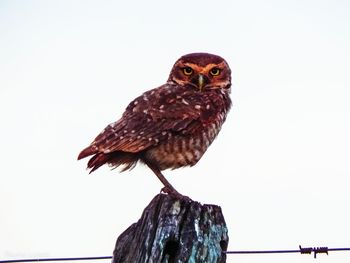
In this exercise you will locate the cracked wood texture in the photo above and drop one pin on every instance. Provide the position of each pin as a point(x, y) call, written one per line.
point(173, 229)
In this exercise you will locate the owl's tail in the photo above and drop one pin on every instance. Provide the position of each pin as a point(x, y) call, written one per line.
point(114, 159)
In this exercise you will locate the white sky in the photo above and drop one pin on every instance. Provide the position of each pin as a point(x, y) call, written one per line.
point(280, 168)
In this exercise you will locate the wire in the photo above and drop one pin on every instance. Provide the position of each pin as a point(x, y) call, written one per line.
point(53, 259)
point(301, 250)
point(306, 250)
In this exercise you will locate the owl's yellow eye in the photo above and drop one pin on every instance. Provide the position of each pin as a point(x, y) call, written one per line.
point(187, 71)
point(215, 71)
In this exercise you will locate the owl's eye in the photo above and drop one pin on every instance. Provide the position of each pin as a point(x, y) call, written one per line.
point(187, 71)
point(215, 72)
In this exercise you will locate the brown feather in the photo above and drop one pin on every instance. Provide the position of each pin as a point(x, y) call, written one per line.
point(114, 159)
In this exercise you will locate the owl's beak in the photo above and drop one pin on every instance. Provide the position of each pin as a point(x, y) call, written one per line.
point(200, 82)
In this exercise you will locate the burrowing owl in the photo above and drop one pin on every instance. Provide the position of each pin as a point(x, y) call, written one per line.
point(170, 126)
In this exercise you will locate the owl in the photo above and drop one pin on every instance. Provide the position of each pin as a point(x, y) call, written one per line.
point(170, 126)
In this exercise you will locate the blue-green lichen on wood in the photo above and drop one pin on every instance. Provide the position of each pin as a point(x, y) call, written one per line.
point(173, 229)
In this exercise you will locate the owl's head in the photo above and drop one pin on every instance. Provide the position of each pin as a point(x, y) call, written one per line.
point(202, 71)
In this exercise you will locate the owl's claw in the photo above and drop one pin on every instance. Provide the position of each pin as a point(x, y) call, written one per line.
point(173, 192)
point(169, 190)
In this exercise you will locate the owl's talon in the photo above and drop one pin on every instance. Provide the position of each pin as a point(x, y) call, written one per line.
point(165, 190)
point(169, 190)
point(172, 191)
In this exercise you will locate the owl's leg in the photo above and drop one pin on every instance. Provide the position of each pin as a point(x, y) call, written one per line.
point(168, 188)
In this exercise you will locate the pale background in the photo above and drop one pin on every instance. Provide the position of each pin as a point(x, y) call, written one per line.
point(280, 168)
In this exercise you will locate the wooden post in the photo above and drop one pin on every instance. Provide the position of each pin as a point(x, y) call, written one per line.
point(173, 229)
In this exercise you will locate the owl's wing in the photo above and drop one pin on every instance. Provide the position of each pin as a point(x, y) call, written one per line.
point(148, 120)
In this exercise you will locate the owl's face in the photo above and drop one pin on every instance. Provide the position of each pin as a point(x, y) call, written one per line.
point(202, 71)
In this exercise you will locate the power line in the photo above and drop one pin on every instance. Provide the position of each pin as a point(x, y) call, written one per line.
point(301, 250)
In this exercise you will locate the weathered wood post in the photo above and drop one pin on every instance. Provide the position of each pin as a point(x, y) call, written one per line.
point(173, 229)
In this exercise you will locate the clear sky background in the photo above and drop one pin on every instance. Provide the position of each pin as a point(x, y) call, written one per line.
point(280, 168)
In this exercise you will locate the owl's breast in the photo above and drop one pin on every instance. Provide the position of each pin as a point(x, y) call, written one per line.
point(191, 123)
point(183, 150)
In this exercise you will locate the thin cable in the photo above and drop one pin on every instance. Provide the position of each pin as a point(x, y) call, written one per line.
point(52, 259)
point(301, 250)
point(305, 250)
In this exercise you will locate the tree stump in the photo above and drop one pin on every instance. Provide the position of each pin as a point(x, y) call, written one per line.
point(173, 229)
